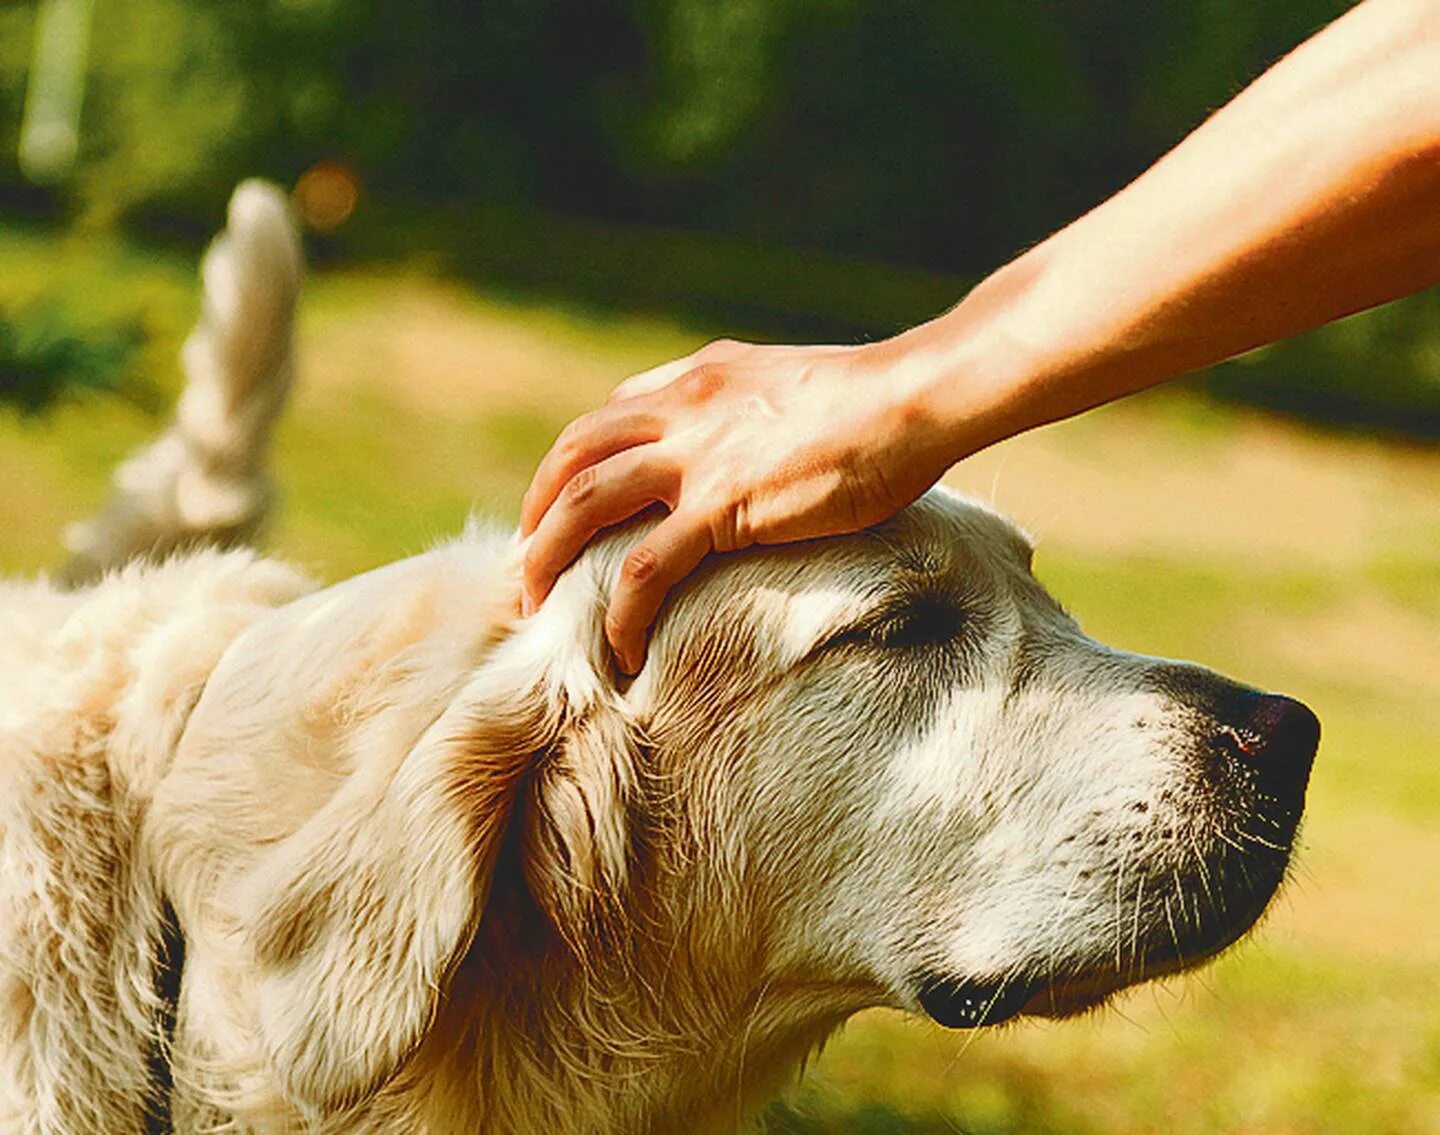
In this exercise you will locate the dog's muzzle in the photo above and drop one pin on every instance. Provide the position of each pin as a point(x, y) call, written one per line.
point(1254, 751)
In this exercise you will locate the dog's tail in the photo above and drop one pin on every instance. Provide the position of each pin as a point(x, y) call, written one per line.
point(203, 481)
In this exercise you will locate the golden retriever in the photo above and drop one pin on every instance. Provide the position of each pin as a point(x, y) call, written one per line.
point(384, 858)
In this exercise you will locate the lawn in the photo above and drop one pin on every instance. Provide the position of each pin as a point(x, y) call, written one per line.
point(1296, 560)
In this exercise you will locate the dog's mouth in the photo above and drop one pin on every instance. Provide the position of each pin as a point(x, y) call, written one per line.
point(1075, 996)
point(1185, 929)
point(969, 1003)
point(980, 1004)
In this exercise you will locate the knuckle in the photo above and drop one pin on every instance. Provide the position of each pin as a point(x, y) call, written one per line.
point(641, 565)
point(718, 347)
point(581, 487)
point(702, 382)
point(730, 525)
point(571, 441)
point(742, 523)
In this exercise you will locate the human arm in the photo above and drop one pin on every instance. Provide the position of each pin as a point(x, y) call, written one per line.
point(1315, 193)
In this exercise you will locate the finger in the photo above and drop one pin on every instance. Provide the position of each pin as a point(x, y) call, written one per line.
point(585, 441)
point(596, 497)
point(664, 557)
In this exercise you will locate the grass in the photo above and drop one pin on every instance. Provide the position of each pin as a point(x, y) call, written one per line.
point(1298, 561)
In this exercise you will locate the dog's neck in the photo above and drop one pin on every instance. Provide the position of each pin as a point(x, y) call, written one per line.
point(595, 1049)
point(628, 1078)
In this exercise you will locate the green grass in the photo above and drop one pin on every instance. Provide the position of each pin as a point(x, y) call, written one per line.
point(1270, 1042)
point(1327, 1021)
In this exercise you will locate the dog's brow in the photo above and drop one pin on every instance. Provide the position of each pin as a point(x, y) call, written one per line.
point(927, 565)
point(911, 567)
point(919, 596)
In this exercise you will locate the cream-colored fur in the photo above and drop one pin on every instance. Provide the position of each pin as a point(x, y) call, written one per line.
point(439, 870)
point(96, 691)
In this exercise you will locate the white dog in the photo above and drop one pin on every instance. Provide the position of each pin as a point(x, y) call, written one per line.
point(385, 858)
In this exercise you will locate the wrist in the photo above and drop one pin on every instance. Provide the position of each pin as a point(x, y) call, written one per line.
point(967, 378)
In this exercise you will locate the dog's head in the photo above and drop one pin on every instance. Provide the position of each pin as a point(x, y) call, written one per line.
point(887, 766)
point(927, 781)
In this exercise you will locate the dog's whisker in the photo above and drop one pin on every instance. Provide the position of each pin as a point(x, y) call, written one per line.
point(1174, 934)
point(1261, 841)
point(1120, 914)
point(1139, 901)
point(1204, 873)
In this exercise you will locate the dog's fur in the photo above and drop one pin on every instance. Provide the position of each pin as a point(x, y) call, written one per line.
point(437, 869)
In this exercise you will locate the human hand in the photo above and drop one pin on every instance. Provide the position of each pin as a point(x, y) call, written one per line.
point(744, 444)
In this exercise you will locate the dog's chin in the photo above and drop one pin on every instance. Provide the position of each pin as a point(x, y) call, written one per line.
point(962, 1004)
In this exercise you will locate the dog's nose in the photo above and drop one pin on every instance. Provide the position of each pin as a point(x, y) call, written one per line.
point(1277, 737)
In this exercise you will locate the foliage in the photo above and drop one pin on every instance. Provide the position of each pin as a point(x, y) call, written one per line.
point(41, 359)
point(935, 133)
point(747, 160)
point(84, 316)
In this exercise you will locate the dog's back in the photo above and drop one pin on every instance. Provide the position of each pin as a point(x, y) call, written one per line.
point(97, 686)
point(91, 714)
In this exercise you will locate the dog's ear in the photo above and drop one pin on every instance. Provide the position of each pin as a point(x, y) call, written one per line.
point(356, 920)
point(577, 841)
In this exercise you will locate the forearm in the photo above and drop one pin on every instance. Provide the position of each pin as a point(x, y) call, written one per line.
point(1314, 194)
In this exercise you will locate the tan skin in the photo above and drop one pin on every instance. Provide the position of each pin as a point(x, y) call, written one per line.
point(1315, 193)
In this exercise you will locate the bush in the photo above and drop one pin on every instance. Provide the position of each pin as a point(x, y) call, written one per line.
point(43, 359)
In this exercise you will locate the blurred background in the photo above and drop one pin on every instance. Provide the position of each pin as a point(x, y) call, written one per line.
point(512, 204)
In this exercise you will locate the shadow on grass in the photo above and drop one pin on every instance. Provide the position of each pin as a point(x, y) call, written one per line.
point(872, 1120)
point(877, 1119)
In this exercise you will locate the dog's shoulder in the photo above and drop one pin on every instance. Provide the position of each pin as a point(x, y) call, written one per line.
point(114, 659)
point(98, 685)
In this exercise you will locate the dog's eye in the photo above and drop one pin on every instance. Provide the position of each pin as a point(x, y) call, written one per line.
point(919, 621)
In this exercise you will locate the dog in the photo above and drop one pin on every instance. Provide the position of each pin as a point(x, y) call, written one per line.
point(385, 857)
